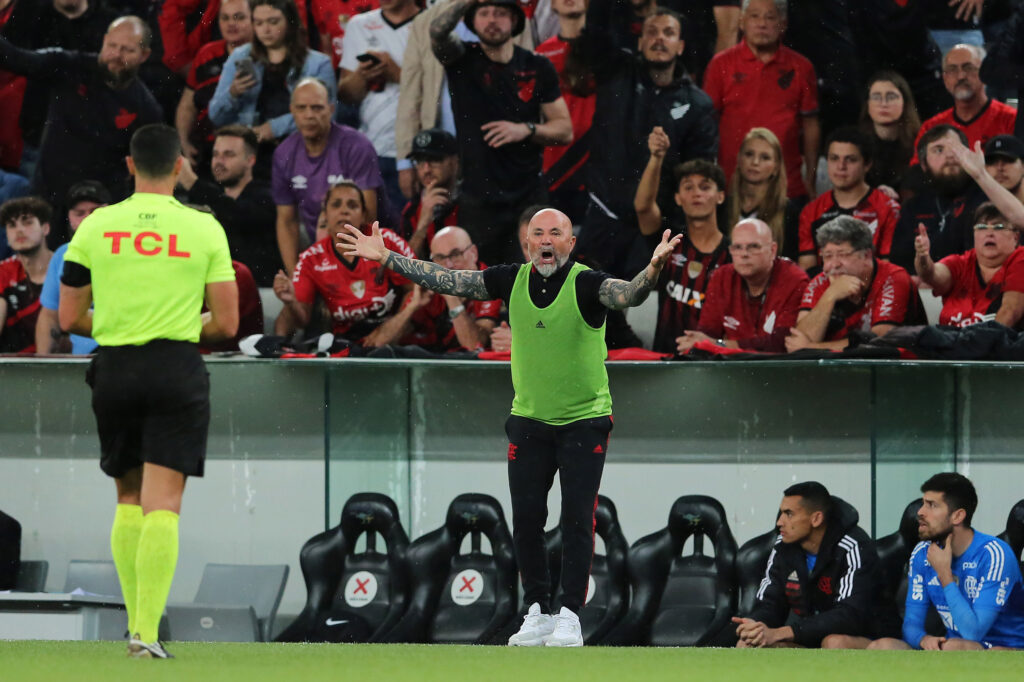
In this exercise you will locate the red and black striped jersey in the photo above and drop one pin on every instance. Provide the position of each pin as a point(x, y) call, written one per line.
point(681, 289)
point(22, 297)
point(202, 79)
point(876, 208)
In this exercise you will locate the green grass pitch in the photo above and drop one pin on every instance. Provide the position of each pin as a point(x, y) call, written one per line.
point(105, 662)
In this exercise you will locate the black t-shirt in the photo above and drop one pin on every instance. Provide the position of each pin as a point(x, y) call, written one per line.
point(483, 91)
point(890, 165)
point(499, 280)
point(274, 99)
point(89, 123)
point(249, 224)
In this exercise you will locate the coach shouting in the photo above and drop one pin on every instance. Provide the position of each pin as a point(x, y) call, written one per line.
point(562, 411)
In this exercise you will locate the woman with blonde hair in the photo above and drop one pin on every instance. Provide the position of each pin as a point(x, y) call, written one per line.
point(758, 190)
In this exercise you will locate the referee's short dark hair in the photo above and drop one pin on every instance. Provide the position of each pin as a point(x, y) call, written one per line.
point(12, 209)
point(245, 133)
point(957, 492)
point(154, 150)
point(814, 496)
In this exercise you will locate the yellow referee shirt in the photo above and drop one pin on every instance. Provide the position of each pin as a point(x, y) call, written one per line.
point(150, 259)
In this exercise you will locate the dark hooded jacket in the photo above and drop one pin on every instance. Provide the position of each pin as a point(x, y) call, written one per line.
point(837, 597)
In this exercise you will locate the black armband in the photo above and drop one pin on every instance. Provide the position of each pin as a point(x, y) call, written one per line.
point(75, 274)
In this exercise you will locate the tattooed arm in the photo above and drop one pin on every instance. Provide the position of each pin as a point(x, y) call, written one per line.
point(464, 283)
point(446, 45)
point(618, 294)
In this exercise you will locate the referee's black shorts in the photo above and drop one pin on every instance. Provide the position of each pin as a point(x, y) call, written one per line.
point(152, 404)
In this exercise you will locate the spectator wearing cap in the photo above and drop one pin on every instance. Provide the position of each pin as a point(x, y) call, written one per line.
point(987, 282)
point(974, 112)
point(243, 205)
point(424, 100)
point(1003, 161)
point(371, 68)
point(507, 106)
point(435, 156)
point(83, 198)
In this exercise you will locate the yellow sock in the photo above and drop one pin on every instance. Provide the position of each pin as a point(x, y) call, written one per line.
point(124, 545)
point(154, 567)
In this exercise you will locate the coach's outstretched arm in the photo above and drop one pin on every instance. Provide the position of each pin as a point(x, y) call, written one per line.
point(618, 293)
point(465, 283)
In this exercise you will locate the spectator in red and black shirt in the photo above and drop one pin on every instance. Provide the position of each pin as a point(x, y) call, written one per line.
point(752, 302)
point(687, 273)
point(96, 103)
point(192, 118)
point(27, 221)
point(360, 295)
point(855, 291)
point(450, 323)
point(973, 111)
point(760, 82)
point(565, 167)
point(849, 156)
point(436, 157)
point(987, 282)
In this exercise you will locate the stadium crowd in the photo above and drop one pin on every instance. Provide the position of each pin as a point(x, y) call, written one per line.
point(826, 163)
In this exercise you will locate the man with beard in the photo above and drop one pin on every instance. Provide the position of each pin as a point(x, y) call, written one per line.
point(242, 205)
point(435, 156)
point(1003, 161)
point(972, 579)
point(27, 221)
point(973, 111)
point(96, 103)
point(562, 410)
point(944, 204)
point(507, 107)
point(854, 293)
point(635, 95)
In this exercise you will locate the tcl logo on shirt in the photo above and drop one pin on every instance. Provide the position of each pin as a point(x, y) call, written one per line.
point(146, 244)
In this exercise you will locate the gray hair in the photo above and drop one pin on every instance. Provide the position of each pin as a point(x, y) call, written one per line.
point(781, 6)
point(976, 51)
point(311, 80)
point(844, 229)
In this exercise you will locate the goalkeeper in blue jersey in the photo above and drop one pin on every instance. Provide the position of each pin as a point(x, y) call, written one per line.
point(973, 579)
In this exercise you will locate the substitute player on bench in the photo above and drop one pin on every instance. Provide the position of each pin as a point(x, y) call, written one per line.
point(149, 263)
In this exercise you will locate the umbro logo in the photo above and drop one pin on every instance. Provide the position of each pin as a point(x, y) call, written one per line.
point(540, 324)
point(299, 182)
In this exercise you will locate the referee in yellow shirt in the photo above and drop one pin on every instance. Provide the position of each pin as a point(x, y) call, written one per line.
point(148, 263)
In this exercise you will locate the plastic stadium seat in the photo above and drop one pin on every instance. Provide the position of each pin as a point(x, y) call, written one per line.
point(461, 598)
point(32, 576)
point(93, 577)
point(682, 600)
point(354, 596)
point(608, 594)
point(234, 603)
point(751, 562)
point(1014, 533)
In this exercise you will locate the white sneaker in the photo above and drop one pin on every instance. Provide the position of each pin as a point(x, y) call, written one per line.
point(567, 630)
point(536, 627)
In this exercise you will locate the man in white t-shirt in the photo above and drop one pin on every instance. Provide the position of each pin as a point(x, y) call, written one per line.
point(371, 67)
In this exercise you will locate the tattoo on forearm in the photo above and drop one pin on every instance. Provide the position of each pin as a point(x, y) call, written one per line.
point(447, 47)
point(618, 294)
point(466, 283)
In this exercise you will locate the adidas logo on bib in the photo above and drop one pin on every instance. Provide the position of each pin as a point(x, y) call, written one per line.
point(540, 324)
